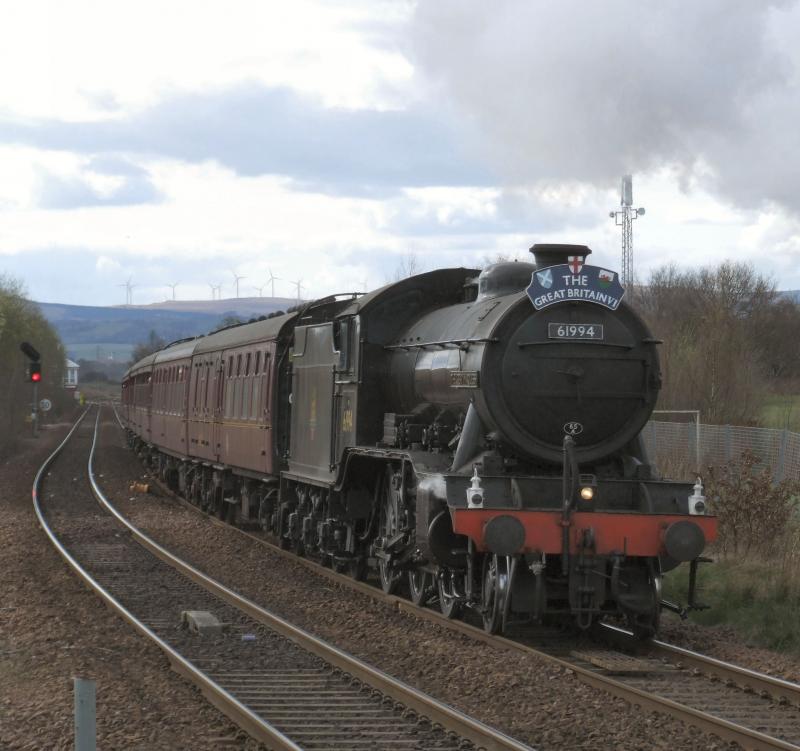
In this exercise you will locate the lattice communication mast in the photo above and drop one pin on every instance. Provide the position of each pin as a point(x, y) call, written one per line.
point(624, 217)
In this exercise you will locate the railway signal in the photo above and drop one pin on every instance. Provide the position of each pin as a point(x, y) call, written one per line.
point(34, 377)
point(27, 349)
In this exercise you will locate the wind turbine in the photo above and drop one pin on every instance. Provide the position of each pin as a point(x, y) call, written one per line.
point(128, 291)
point(237, 278)
point(272, 279)
point(215, 288)
point(260, 291)
point(299, 285)
point(173, 288)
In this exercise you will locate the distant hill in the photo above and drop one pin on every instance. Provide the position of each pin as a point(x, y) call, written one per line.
point(100, 333)
point(244, 307)
point(794, 294)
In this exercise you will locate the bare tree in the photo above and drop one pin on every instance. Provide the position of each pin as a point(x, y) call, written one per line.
point(408, 265)
point(715, 355)
point(153, 343)
point(491, 258)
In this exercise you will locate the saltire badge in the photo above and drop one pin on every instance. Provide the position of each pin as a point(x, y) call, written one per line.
point(575, 264)
point(545, 278)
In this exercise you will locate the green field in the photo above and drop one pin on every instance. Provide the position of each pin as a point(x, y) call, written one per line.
point(782, 412)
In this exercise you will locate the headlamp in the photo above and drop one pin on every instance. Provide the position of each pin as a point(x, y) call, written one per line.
point(587, 487)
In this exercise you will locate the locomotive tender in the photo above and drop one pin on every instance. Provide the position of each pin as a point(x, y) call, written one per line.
point(474, 437)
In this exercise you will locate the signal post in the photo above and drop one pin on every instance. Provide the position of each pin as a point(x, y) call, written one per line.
point(34, 376)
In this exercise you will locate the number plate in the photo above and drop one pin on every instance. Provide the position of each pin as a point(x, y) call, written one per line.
point(575, 331)
point(464, 379)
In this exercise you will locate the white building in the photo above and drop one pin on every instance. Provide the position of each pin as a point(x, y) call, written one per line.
point(71, 377)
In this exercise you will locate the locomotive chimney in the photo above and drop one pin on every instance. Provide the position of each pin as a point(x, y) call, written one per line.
point(552, 254)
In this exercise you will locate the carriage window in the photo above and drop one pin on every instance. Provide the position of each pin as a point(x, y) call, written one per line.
point(238, 365)
point(247, 365)
point(258, 362)
point(230, 366)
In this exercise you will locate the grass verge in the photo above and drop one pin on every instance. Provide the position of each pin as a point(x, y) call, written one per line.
point(760, 600)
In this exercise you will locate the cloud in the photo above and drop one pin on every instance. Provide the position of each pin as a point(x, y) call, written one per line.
point(528, 211)
point(114, 164)
point(129, 185)
point(106, 265)
point(589, 91)
point(257, 130)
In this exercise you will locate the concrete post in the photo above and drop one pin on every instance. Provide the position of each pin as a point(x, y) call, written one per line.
point(85, 714)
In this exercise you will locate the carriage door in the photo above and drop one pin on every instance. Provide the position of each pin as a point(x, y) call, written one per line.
point(217, 389)
point(314, 365)
point(346, 340)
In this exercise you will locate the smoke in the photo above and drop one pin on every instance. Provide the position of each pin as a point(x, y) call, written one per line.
point(435, 485)
point(575, 90)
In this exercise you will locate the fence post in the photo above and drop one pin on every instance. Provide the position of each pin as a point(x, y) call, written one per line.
point(85, 716)
point(780, 468)
point(697, 442)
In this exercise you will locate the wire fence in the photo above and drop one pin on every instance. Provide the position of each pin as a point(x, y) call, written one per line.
point(674, 446)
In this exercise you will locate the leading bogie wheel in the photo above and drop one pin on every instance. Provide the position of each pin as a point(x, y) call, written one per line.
point(450, 606)
point(495, 592)
point(419, 586)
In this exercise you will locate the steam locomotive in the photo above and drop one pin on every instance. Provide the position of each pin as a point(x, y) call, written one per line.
point(474, 438)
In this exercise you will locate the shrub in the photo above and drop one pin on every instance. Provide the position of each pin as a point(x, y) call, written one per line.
point(756, 516)
point(21, 320)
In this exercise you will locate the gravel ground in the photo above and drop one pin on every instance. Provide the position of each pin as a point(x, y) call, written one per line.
point(526, 697)
point(724, 643)
point(52, 628)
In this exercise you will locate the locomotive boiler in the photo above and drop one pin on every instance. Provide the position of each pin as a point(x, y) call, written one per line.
point(473, 438)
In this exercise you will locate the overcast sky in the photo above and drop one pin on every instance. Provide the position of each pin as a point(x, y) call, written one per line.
point(326, 141)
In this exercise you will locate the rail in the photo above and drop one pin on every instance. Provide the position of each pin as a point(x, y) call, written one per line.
point(751, 682)
point(437, 713)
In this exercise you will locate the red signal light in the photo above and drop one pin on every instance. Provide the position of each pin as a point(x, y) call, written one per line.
point(36, 377)
point(35, 372)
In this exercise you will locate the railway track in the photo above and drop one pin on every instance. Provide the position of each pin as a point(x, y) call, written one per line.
point(755, 710)
point(285, 687)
